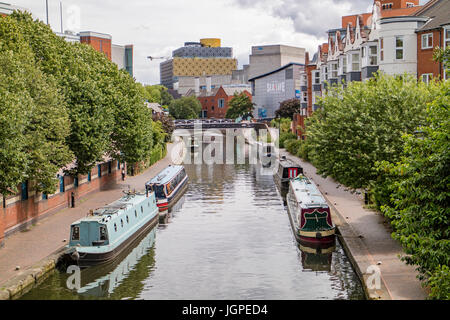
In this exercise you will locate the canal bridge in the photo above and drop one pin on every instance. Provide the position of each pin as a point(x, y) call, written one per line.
point(217, 124)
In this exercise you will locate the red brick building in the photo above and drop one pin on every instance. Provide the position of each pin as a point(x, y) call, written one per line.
point(27, 206)
point(435, 33)
point(99, 41)
point(215, 103)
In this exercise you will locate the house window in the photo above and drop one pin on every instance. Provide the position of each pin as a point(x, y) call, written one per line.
point(426, 77)
point(373, 56)
point(334, 70)
point(303, 81)
point(381, 49)
point(109, 167)
point(355, 62)
point(316, 77)
point(427, 41)
point(447, 37)
point(409, 4)
point(315, 97)
point(344, 64)
point(399, 48)
point(99, 169)
point(304, 97)
point(221, 103)
point(89, 176)
point(363, 52)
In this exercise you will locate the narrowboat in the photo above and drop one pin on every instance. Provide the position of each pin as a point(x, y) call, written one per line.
point(168, 186)
point(286, 171)
point(309, 213)
point(106, 232)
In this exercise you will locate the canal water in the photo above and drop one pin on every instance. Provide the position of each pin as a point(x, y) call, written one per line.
point(229, 237)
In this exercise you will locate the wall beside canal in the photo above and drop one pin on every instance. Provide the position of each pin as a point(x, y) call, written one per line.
point(28, 206)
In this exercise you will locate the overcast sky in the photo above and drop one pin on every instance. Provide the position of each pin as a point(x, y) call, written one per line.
point(156, 27)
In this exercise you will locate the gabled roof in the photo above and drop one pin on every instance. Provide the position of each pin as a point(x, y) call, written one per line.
point(438, 11)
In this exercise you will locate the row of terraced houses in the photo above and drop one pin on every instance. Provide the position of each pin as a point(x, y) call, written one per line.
point(397, 37)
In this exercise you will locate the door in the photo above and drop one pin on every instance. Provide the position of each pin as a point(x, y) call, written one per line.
point(293, 173)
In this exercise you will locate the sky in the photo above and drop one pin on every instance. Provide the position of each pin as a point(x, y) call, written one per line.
point(157, 27)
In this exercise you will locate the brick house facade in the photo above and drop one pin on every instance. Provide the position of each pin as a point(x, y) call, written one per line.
point(215, 103)
point(27, 206)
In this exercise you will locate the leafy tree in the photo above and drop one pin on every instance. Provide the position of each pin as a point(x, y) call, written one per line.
point(285, 124)
point(363, 124)
point(288, 108)
point(419, 194)
point(80, 73)
point(240, 106)
point(185, 108)
point(132, 137)
point(33, 116)
point(167, 124)
point(166, 97)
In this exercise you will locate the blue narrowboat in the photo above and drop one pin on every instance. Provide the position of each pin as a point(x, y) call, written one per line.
point(168, 186)
point(106, 232)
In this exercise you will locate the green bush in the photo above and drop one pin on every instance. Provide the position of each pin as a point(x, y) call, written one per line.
point(292, 146)
point(286, 136)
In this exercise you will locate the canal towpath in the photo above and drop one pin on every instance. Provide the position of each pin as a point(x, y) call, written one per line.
point(29, 254)
point(366, 236)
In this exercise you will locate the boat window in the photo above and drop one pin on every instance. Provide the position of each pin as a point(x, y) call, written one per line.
point(142, 209)
point(135, 213)
point(103, 234)
point(121, 223)
point(159, 191)
point(75, 233)
point(115, 227)
point(128, 221)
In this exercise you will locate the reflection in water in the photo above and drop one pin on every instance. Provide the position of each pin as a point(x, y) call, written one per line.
point(121, 279)
point(229, 237)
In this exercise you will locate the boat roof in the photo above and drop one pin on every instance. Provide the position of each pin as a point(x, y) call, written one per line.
point(117, 207)
point(289, 164)
point(307, 193)
point(165, 175)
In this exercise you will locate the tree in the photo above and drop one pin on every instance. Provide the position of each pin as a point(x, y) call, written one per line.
point(419, 197)
point(185, 108)
point(166, 97)
point(288, 108)
point(363, 124)
point(33, 116)
point(240, 106)
point(167, 124)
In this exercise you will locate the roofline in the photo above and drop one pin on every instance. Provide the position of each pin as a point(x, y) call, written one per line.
point(276, 70)
point(403, 19)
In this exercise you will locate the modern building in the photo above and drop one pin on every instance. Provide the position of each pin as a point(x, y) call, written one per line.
point(266, 58)
point(434, 33)
point(274, 87)
point(198, 59)
point(102, 42)
point(215, 102)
